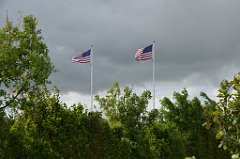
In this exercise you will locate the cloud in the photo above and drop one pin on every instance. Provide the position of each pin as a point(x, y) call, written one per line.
point(196, 41)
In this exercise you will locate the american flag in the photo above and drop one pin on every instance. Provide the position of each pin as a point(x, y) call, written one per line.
point(83, 58)
point(144, 53)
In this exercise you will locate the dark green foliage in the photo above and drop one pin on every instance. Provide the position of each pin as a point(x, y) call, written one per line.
point(189, 117)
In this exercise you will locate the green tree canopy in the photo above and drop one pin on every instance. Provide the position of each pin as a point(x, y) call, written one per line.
point(189, 116)
point(226, 115)
point(24, 63)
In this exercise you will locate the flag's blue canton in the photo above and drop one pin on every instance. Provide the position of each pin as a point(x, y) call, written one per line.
point(147, 49)
point(87, 53)
point(144, 53)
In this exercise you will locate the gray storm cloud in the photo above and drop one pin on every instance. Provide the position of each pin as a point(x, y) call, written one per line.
point(192, 37)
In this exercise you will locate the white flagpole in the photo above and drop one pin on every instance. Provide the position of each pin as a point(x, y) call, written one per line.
point(153, 58)
point(91, 78)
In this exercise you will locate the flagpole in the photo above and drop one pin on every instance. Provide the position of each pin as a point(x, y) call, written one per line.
point(153, 74)
point(92, 78)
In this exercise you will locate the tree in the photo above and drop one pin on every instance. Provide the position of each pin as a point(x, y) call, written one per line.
point(210, 132)
point(126, 115)
point(226, 115)
point(24, 63)
point(188, 116)
point(24, 71)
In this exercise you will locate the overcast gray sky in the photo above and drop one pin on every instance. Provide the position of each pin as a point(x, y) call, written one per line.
point(197, 42)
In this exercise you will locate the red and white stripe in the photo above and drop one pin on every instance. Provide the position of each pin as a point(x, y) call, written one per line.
point(81, 59)
point(142, 56)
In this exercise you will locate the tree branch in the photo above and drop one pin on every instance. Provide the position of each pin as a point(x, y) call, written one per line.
point(15, 97)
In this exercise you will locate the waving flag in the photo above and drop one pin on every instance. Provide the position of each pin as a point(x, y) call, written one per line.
point(144, 53)
point(83, 58)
